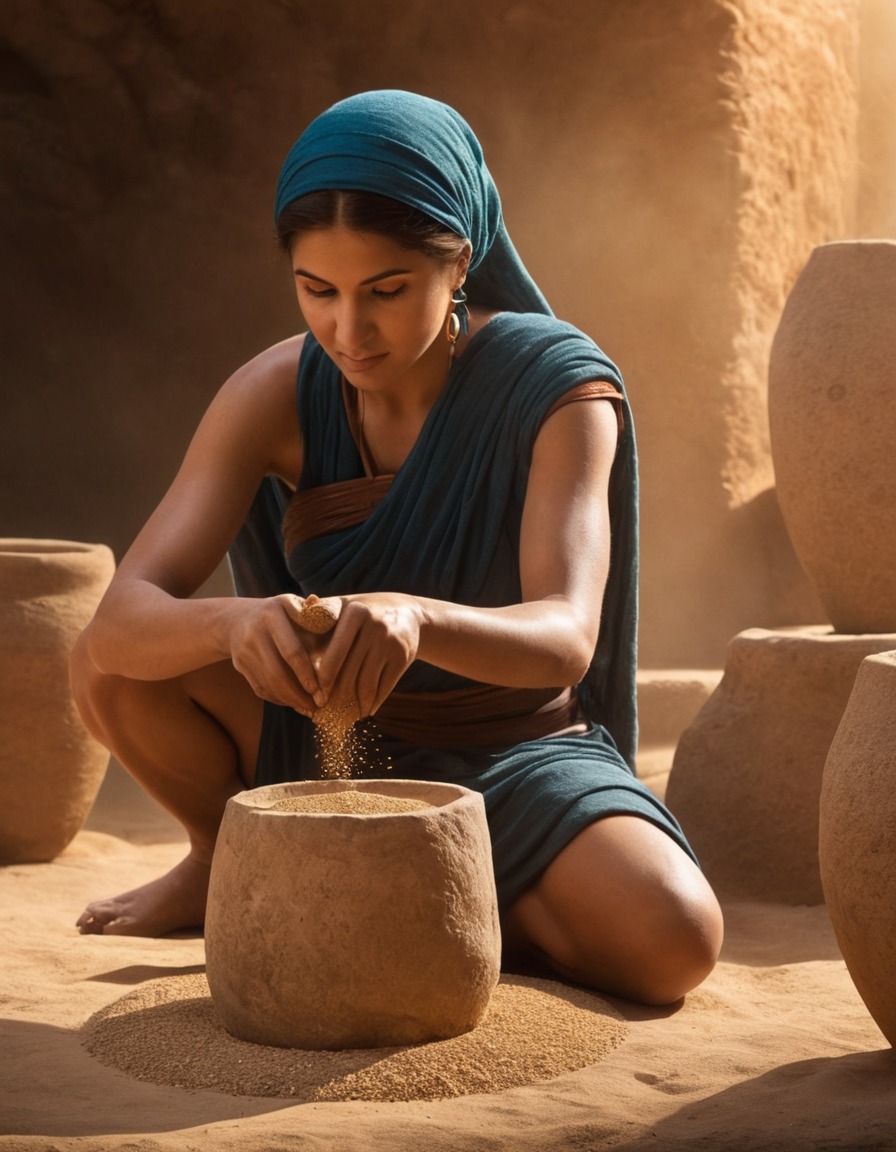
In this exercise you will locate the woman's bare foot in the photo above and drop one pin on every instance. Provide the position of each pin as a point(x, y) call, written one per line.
point(176, 900)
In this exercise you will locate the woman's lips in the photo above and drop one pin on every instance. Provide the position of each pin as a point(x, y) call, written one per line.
point(361, 365)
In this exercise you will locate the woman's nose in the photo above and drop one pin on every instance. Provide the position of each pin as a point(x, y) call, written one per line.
point(354, 327)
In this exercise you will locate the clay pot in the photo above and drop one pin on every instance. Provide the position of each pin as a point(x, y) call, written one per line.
point(336, 930)
point(857, 838)
point(832, 415)
point(51, 768)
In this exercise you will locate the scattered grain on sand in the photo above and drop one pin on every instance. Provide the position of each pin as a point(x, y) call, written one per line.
point(167, 1032)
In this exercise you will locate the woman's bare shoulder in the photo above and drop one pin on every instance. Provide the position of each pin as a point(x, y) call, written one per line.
point(276, 364)
point(254, 415)
point(263, 389)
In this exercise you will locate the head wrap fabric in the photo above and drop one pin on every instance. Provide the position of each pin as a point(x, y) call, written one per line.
point(424, 154)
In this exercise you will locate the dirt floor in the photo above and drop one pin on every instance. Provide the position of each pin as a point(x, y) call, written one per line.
point(776, 1051)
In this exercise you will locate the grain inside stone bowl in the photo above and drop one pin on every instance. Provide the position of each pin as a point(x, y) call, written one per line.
point(167, 1032)
point(349, 802)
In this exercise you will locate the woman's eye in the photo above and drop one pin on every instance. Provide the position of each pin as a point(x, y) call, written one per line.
point(327, 293)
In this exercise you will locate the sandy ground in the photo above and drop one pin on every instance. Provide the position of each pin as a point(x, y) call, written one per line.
point(774, 1051)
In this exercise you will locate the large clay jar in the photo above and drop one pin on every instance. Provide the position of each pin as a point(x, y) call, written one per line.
point(857, 838)
point(50, 767)
point(832, 414)
point(331, 929)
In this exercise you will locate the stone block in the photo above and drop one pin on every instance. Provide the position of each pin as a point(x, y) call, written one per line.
point(746, 777)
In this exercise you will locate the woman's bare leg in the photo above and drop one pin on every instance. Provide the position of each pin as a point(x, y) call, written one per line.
point(624, 910)
point(191, 743)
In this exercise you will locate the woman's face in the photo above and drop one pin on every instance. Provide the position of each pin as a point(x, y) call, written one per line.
point(377, 309)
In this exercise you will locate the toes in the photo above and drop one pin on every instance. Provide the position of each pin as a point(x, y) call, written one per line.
point(92, 922)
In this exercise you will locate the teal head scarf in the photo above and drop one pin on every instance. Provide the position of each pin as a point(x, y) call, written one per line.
point(422, 153)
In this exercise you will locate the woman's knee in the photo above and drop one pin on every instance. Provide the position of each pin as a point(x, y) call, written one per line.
point(625, 910)
point(105, 702)
point(662, 946)
point(211, 710)
point(678, 936)
point(90, 688)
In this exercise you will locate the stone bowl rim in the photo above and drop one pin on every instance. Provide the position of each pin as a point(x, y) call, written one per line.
point(27, 546)
point(258, 801)
point(866, 242)
point(883, 659)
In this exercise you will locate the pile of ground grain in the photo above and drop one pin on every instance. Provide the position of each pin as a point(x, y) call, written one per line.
point(167, 1032)
point(349, 801)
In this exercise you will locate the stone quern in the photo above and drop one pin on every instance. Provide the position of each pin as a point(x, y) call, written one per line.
point(342, 929)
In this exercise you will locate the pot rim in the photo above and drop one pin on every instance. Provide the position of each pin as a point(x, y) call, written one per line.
point(27, 546)
point(438, 795)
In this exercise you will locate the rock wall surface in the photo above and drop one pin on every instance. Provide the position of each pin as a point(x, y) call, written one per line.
point(666, 170)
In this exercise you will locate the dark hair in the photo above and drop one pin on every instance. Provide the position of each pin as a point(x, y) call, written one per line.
point(368, 212)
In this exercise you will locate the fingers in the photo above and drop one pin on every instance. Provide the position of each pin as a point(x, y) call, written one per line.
point(352, 685)
point(375, 684)
point(366, 655)
point(352, 650)
point(373, 676)
point(315, 618)
point(297, 652)
point(273, 659)
point(277, 682)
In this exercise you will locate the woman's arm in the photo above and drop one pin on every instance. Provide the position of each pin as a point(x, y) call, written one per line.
point(547, 640)
point(146, 626)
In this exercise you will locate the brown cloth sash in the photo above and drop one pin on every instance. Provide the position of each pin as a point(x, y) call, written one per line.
point(478, 717)
point(316, 512)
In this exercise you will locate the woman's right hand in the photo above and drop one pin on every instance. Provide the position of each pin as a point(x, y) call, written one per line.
point(275, 654)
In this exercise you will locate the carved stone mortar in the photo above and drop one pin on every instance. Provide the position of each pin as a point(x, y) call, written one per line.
point(337, 930)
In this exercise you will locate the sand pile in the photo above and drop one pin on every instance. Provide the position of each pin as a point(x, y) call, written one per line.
point(167, 1032)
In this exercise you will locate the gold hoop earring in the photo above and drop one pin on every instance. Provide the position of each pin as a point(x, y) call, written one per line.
point(458, 320)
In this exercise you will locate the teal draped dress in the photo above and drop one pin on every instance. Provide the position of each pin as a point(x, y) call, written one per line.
point(447, 526)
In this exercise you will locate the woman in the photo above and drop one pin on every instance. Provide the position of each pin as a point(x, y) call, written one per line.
point(454, 476)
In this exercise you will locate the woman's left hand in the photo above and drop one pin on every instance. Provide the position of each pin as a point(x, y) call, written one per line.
point(374, 642)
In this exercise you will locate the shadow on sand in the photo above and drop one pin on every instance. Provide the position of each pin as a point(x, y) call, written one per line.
point(840, 1102)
